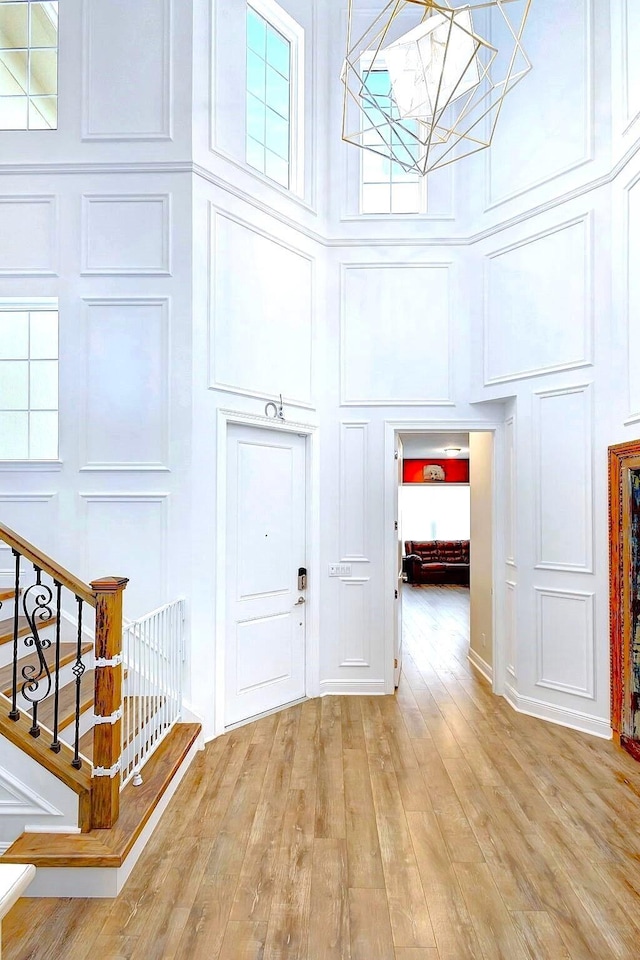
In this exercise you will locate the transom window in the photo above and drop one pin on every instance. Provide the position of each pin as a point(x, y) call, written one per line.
point(28, 65)
point(385, 186)
point(29, 380)
point(274, 94)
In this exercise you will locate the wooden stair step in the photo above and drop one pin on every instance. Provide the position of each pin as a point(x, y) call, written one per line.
point(86, 740)
point(109, 848)
point(6, 627)
point(67, 654)
point(67, 702)
point(8, 594)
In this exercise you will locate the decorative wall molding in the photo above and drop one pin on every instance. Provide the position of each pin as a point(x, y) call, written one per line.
point(217, 381)
point(511, 626)
point(348, 311)
point(8, 572)
point(589, 126)
point(563, 716)
point(28, 236)
point(511, 492)
point(630, 115)
point(163, 305)
point(352, 688)
point(90, 261)
point(583, 647)
point(631, 297)
point(354, 622)
point(17, 799)
point(586, 221)
point(575, 467)
point(354, 491)
point(90, 124)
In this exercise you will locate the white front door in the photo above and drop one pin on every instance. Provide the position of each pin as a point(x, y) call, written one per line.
point(266, 510)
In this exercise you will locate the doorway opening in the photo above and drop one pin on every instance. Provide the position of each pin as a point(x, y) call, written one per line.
point(445, 546)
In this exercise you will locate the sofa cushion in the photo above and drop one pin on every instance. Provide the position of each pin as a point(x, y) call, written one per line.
point(451, 551)
point(427, 549)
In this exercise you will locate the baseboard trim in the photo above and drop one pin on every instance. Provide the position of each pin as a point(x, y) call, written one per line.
point(352, 688)
point(563, 716)
point(480, 665)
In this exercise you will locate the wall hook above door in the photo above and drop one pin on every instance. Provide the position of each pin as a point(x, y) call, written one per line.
point(278, 413)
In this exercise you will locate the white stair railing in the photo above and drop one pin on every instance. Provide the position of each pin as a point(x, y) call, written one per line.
point(152, 652)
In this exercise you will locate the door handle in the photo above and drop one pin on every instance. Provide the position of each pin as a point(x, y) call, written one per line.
point(299, 601)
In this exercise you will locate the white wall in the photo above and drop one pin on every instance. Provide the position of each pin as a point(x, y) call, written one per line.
point(482, 485)
point(194, 303)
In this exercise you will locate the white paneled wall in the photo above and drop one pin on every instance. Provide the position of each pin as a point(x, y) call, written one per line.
point(28, 236)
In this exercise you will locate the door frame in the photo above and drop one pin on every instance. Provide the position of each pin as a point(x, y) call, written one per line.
point(225, 418)
point(392, 428)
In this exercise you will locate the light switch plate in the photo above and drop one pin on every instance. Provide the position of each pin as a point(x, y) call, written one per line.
point(339, 569)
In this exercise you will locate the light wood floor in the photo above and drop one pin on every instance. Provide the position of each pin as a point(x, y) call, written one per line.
point(434, 825)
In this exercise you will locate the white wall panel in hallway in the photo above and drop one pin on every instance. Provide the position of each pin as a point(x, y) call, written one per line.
point(563, 473)
point(28, 234)
point(126, 421)
point(126, 234)
point(550, 327)
point(261, 299)
point(354, 491)
point(392, 353)
point(632, 295)
point(265, 546)
point(566, 666)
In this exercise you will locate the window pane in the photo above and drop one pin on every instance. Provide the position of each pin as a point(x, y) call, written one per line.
point(255, 118)
point(14, 62)
point(14, 436)
point(276, 168)
point(14, 336)
point(375, 169)
point(256, 32)
point(43, 443)
point(277, 93)
point(9, 85)
point(13, 113)
point(43, 113)
point(376, 198)
point(43, 77)
point(255, 75)
point(405, 198)
point(278, 52)
point(13, 25)
point(277, 138)
point(255, 154)
point(44, 335)
point(44, 25)
point(14, 385)
point(44, 384)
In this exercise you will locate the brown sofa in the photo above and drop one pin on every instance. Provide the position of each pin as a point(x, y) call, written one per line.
point(437, 561)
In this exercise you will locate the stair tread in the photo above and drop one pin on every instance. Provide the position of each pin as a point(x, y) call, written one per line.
point(86, 740)
point(8, 594)
point(6, 627)
point(109, 848)
point(67, 654)
point(67, 702)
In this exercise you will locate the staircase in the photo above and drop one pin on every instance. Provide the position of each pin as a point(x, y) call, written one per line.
point(81, 715)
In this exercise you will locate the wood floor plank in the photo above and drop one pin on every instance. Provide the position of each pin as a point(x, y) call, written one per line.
point(498, 935)
point(244, 940)
point(408, 912)
point(329, 917)
point(363, 845)
point(369, 941)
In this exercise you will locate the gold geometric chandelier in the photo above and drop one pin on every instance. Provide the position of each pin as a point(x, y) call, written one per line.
point(422, 87)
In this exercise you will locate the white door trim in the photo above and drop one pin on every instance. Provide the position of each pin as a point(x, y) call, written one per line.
point(391, 429)
point(312, 660)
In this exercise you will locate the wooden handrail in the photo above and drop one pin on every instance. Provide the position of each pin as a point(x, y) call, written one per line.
point(49, 566)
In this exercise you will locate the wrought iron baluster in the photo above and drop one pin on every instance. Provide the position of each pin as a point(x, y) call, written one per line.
point(14, 713)
point(78, 669)
point(37, 677)
point(55, 743)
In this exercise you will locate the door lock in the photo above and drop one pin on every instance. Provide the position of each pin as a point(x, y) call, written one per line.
point(302, 578)
point(299, 601)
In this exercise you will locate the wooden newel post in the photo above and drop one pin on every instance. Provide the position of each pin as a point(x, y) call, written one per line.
point(107, 736)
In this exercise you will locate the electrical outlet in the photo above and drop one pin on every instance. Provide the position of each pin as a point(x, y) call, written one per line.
point(339, 569)
point(483, 639)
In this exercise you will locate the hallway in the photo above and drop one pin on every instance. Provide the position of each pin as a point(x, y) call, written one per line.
point(436, 825)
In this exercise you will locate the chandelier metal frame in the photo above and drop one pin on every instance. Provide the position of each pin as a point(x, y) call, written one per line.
point(459, 126)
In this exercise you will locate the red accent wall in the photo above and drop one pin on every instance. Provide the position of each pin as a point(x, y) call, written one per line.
point(455, 471)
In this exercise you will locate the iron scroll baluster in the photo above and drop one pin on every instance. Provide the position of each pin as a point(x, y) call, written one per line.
point(37, 677)
point(55, 743)
point(78, 669)
point(14, 713)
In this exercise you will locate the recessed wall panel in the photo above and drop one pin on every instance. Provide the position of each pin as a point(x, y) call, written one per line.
point(33, 516)
point(633, 295)
point(525, 153)
point(126, 235)
point(354, 485)
point(261, 293)
point(395, 334)
point(510, 627)
point(125, 536)
point(510, 492)
point(355, 622)
point(127, 70)
point(538, 306)
point(127, 383)
point(27, 236)
point(563, 479)
point(631, 60)
point(565, 641)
